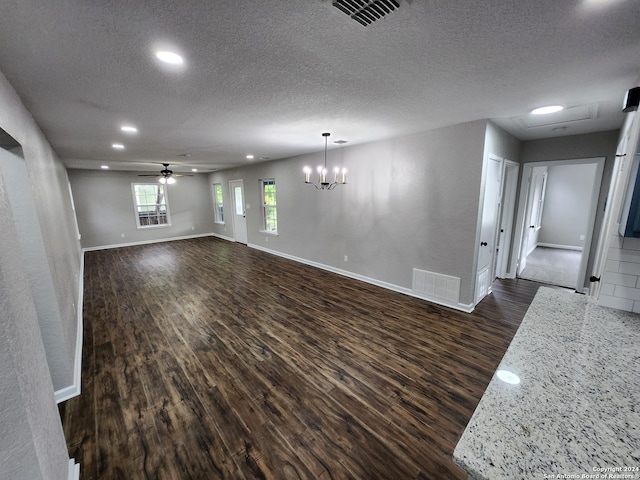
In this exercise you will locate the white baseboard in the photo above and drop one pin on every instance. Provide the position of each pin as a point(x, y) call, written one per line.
point(563, 247)
point(74, 389)
point(146, 242)
point(74, 470)
point(372, 281)
point(223, 237)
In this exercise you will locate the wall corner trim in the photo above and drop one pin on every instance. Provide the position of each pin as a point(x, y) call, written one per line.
point(74, 389)
point(362, 278)
point(74, 470)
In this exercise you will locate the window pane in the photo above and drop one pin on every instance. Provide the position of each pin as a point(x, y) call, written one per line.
point(269, 211)
point(238, 195)
point(271, 219)
point(218, 203)
point(151, 207)
point(269, 187)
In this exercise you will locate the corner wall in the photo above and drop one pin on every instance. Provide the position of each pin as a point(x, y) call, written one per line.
point(410, 202)
point(106, 215)
point(32, 446)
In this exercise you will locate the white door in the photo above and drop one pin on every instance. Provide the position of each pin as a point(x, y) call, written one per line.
point(620, 178)
point(507, 210)
point(490, 209)
point(536, 178)
point(236, 187)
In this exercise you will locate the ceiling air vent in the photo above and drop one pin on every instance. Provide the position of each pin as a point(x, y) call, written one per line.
point(366, 12)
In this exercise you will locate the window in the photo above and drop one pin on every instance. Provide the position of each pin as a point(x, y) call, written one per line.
point(218, 203)
point(269, 209)
point(152, 209)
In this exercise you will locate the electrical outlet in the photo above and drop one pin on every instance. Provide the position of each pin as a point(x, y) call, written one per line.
point(266, 239)
point(346, 258)
point(193, 228)
point(581, 237)
point(122, 235)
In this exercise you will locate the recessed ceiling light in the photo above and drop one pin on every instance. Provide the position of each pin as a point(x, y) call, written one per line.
point(169, 57)
point(129, 129)
point(546, 110)
point(104, 167)
point(250, 157)
point(194, 169)
point(118, 146)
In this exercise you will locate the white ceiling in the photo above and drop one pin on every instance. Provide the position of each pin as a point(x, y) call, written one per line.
point(267, 77)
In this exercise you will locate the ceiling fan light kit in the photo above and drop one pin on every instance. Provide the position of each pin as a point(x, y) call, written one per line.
point(323, 184)
point(167, 176)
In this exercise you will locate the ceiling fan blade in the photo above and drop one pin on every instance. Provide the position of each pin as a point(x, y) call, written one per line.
point(149, 175)
point(182, 175)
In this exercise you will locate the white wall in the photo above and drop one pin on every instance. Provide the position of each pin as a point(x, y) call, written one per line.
point(105, 208)
point(411, 202)
point(566, 206)
point(32, 444)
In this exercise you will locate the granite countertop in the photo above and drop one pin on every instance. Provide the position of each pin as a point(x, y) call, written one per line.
point(576, 411)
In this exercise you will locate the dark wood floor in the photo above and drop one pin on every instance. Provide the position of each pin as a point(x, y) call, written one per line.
point(206, 359)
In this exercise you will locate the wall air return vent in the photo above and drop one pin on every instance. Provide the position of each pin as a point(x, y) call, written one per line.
point(366, 12)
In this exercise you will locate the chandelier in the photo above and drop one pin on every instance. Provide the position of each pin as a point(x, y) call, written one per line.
point(323, 183)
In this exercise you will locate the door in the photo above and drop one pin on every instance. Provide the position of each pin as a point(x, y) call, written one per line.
point(535, 178)
point(629, 142)
point(490, 210)
point(236, 187)
point(507, 211)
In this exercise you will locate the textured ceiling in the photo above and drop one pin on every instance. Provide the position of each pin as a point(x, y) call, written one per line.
point(267, 77)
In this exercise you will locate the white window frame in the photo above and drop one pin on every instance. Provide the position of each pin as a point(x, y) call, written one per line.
point(218, 208)
point(265, 206)
point(135, 206)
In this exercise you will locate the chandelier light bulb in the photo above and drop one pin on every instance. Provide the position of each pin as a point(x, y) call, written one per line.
point(171, 180)
point(323, 183)
point(163, 180)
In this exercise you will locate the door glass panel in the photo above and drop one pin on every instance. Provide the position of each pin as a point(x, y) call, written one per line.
point(238, 194)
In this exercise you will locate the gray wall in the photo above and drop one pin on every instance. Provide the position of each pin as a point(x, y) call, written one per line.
point(566, 206)
point(104, 207)
point(411, 202)
point(32, 250)
point(500, 143)
point(601, 144)
point(32, 444)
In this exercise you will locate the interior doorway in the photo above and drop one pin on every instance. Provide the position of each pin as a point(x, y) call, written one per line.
point(556, 217)
point(236, 187)
point(498, 207)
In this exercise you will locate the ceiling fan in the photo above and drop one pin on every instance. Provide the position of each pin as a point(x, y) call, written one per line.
point(167, 176)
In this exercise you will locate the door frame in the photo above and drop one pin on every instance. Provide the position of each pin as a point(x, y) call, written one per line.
point(620, 178)
point(527, 168)
point(236, 227)
point(481, 278)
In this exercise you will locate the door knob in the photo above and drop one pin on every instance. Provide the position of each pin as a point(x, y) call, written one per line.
point(532, 226)
point(483, 244)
